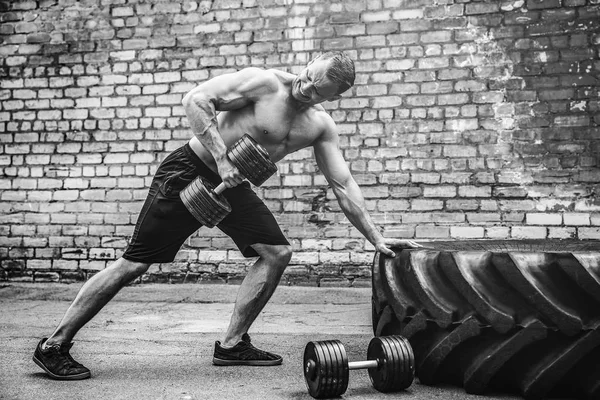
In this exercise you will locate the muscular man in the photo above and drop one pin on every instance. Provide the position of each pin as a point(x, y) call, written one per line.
point(283, 113)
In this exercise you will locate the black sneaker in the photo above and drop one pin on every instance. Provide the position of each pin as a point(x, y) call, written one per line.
point(58, 363)
point(244, 353)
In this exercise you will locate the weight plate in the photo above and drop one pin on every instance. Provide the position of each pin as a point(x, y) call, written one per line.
point(344, 377)
point(411, 370)
point(332, 371)
point(326, 369)
point(258, 158)
point(403, 367)
point(252, 160)
point(340, 370)
point(207, 208)
point(331, 381)
point(201, 201)
point(250, 165)
point(243, 161)
point(396, 363)
point(237, 158)
point(315, 369)
point(380, 376)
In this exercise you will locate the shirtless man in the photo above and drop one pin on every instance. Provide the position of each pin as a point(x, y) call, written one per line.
point(283, 113)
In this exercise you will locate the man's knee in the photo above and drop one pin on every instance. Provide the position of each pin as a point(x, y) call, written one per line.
point(284, 254)
point(131, 269)
point(279, 255)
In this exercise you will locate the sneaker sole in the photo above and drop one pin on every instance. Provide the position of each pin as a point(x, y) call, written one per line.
point(255, 363)
point(76, 377)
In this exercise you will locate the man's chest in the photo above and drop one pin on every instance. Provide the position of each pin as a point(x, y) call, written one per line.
point(281, 122)
point(274, 125)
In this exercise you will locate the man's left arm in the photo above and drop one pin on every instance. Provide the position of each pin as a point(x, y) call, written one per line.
point(331, 162)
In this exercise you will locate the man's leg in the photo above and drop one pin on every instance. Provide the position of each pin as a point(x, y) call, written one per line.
point(52, 355)
point(256, 289)
point(94, 295)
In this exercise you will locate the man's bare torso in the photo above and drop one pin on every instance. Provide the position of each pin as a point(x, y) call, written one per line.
point(274, 120)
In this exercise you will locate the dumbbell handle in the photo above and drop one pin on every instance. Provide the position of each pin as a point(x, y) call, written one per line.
point(219, 189)
point(311, 366)
point(363, 364)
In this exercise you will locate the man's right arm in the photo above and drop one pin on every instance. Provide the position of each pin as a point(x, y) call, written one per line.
point(224, 93)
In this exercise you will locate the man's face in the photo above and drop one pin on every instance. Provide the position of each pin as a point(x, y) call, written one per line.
point(312, 86)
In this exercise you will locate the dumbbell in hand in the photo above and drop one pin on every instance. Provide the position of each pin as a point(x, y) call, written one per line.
point(205, 202)
point(390, 362)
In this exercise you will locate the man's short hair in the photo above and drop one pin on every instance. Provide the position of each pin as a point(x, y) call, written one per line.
point(341, 69)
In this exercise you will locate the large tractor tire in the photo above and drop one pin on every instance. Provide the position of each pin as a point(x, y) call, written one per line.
point(510, 316)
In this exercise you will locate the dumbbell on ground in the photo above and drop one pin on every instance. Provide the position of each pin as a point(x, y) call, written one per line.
point(390, 362)
point(205, 202)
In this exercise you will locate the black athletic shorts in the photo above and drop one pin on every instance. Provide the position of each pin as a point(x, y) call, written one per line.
point(164, 223)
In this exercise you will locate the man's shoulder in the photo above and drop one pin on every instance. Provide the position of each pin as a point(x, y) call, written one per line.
point(322, 116)
point(322, 123)
point(263, 77)
point(279, 74)
point(257, 78)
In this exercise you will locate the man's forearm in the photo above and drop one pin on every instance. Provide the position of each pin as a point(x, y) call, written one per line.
point(202, 116)
point(353, 205)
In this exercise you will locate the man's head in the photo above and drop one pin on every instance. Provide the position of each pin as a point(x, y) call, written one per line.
point(324, 79)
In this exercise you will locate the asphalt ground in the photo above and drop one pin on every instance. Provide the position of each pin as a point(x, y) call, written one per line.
point(156, 342)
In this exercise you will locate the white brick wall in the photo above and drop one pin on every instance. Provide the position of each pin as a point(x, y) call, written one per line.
point(455, 128)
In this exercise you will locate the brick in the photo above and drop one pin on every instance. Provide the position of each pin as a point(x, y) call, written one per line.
point(474, 191)
point(164, 77)
point(436, 87)
point(483, 218)
point(470, 86)
point(481, 8)
point(529, 232)
point(543, 219)
point(387, 102)
point(426, 205)
point(434, 232)
point(466, 232)
point(439, 191)
point(434, 63)
point(562, 233)
point(122, 11)
point(488, 97)
point(556, 94)
point(462, 125)
point(497, 232)
point(436, 37)
point(415, 25)
point(588, 233)
point(576, 219)
point(452, 99)
point(403, 39)
point(370, 41)
point(541, 4)
point(375, 16)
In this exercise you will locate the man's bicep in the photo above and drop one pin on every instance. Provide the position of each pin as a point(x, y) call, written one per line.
point(332, 164)
point(233, 91)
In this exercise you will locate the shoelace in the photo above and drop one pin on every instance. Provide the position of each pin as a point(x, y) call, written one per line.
point(63, 350)
point(260, 354)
